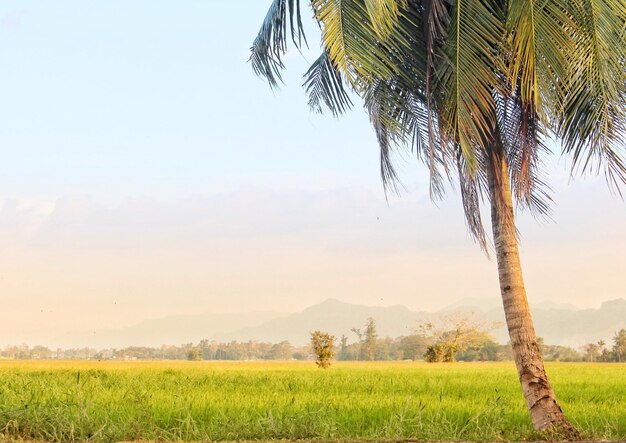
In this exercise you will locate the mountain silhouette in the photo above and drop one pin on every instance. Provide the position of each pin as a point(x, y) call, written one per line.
point(557, 324)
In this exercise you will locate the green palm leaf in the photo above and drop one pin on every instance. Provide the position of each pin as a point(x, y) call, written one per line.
point(468, 76)
point(541, 37)
point(271, 41)
point(592, 120)
point(350, 37)
point(383, 15)
point(324, 86)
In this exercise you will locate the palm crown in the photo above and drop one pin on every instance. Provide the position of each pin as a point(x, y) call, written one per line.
point(450, 78)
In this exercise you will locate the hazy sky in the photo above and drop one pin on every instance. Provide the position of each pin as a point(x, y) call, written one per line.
point(147, 171)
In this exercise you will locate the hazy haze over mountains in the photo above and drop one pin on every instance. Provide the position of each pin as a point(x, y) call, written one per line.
point(556, 323)
point(174, 329)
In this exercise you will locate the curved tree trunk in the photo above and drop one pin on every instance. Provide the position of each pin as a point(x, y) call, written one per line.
point(545, 412)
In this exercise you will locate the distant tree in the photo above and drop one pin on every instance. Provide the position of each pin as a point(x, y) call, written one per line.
point(413, 346)
point(323, 345)
point(489, 350)
point(359, 343)
point(385, 349)
point(440, 352)
point(592, 351)
point(605, 354)
point(343, 347)
point(453, 334)
point(205, 349)
point(194, 354)
point(561, 353)
point(367, 344)
point(282, 351)
point(619, 345)
point(40, 353)
point(370, 340)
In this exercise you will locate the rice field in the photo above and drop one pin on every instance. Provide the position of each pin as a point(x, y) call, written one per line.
point(209, 401)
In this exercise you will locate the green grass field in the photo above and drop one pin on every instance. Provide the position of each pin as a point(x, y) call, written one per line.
point(112, 401)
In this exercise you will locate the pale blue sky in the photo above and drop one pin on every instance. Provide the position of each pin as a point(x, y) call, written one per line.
point(145, 171)
point(156, 97)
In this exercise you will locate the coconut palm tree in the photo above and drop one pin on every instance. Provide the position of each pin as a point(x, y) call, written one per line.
point(476, 88)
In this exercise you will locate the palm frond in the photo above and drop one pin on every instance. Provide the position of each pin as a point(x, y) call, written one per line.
point(399, 118)
point(391, 114)
point(383, 14)
point(472, 185)
point(468, 75)
point(271, 42)
point(540, 33)
point(435, 19)
point(522, 139)
point(324, 86)
point(388, 172)
point(352, 42)
point(592, 120)
point(399, 103)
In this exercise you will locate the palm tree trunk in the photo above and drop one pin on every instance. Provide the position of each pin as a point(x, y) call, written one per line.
point(545, 412)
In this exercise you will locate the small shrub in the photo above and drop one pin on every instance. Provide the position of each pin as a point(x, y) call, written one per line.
point(323, 345)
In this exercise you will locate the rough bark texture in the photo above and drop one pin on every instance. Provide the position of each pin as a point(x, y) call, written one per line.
point(545, 412)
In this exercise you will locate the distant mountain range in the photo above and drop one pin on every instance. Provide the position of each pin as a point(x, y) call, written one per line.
point(557, 324)
point(174, 329)
point(565, 324)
